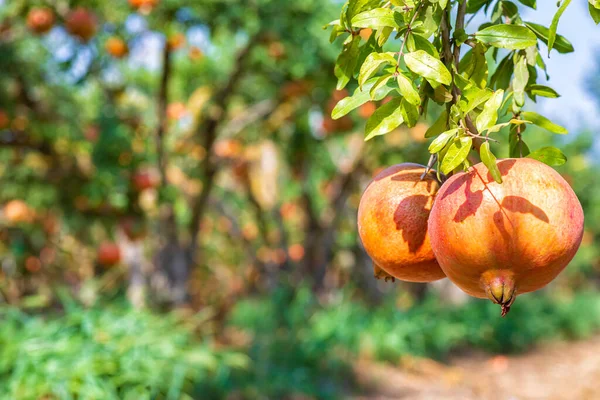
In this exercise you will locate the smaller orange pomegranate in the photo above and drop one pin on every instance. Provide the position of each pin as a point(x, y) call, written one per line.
point(228, 148)
point(176, 110)
point(296, 252)
point(40, 20)
point(33, 264)
point(81, 23)
point(109, 254)
point(367, 109)
point(499, 240)
point(392, 222)
point(116, 47)
point(145, 179)
point(145, 4)
point(365, 34)
point(17, 211)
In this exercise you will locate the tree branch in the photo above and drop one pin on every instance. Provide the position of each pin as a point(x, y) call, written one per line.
point(161, 109)
point(209, 136)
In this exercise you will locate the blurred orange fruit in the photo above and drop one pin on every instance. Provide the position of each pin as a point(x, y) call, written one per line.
point(116, 47)
point(40, 19)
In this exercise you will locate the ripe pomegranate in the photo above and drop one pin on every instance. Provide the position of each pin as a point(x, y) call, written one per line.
point(499, 240)
point(81, 23)
point(176, 110)
point(365, 33)
point(40, 20)
point(228, 148)
point(17, 211)
point(108, 254)
point(145, 179)
point(116, 47)
point(367, 109)
point(392, 222)
point(137, 4)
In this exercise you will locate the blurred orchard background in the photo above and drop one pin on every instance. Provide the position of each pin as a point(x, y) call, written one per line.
point(178, 217)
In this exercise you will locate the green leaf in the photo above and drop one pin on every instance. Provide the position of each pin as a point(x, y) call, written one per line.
point(418, 42)
point(520, 81)
point(529, 3)
point(346, 63)
point(456, 154)
point(561, 44)
point(381, 82)
point(410, 113)
point(514, 37)
point(501, 77)
point(408, 89)
point(440, 142)
point(541, 90)
point(473, 66)
point(475, 99)
point(357, 6)
point(595, 13)
point(428, 67)
point(554, 24)
point(385, 119)
point(488, 158)
point(438, 126)
point(372, 64)
point(516, 146)
point(489, 115)
point(360, 97)
point(549, 155)
point(543, 122)
point(475, 5)
point(375, 19)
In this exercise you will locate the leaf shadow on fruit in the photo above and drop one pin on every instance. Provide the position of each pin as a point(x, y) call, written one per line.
point(410, 217)
point(414, 177)
point(470, 206)
point(521, 205)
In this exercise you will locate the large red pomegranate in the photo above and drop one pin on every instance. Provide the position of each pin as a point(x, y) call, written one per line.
point(499, 240)
point(392, 223)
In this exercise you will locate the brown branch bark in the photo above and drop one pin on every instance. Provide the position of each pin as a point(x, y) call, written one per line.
point(209, 136)
point(161, 109)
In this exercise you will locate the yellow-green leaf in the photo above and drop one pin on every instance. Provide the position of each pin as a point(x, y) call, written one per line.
point(385, 119)
point(488, 158)
point(543, 122)
point(456, 154)
point(514, 37)
point(427, 66)
point(408, 90)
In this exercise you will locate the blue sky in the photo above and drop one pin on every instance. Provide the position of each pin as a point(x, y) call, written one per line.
point(568, 72)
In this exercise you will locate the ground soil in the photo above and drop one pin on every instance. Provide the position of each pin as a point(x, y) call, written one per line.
point(553, 371)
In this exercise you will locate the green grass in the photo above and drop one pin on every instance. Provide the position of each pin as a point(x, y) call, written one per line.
point(106, 352)
point(297, 346)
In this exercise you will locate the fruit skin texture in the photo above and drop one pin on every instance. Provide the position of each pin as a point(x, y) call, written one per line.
point(40, 20)
point(392, 222)
point(81, 23)
point(499, 240)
